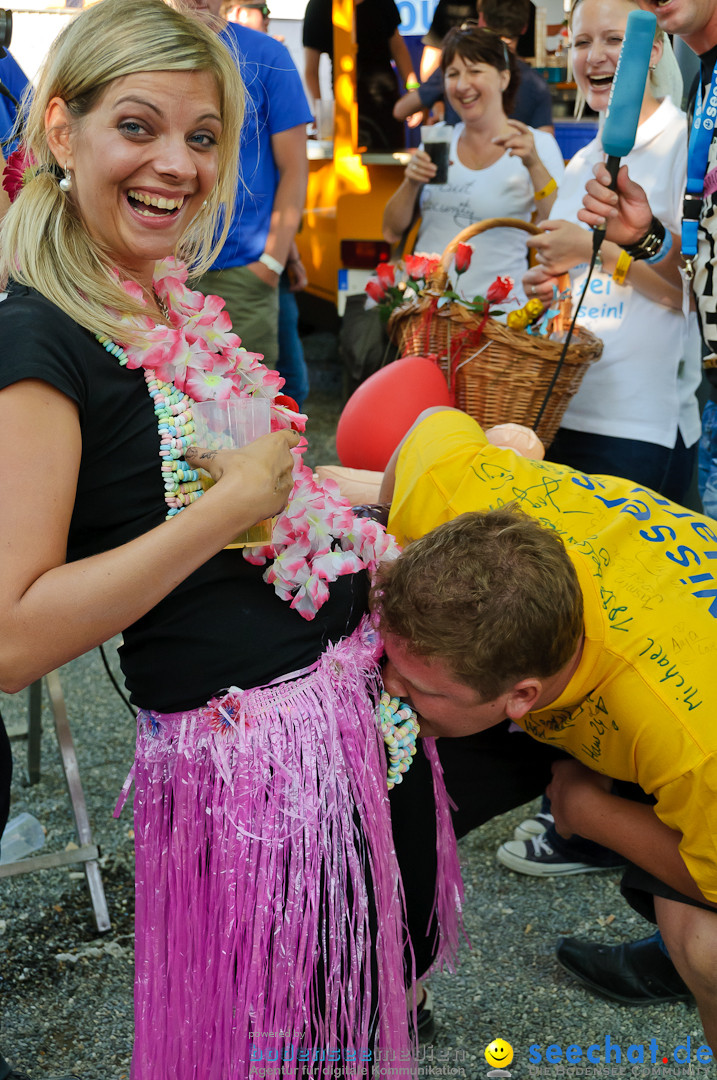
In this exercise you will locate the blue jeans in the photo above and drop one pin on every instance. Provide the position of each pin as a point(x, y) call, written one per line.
point(707, 460)
point(291, 363)
point(664, 470)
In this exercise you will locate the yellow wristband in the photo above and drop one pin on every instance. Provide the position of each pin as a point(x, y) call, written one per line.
point(624, 263)
point(549, 188)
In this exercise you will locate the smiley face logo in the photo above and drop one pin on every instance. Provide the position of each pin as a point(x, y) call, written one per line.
point(499, 1054)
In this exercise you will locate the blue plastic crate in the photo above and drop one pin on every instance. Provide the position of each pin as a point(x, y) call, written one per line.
point(572, 135)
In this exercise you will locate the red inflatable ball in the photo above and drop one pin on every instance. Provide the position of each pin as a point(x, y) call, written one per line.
point(382, 409)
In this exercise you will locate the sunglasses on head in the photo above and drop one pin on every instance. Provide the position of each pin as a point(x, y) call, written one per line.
point(469, 25)
point(258, 7)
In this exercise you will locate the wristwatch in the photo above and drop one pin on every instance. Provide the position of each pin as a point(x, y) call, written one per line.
point(650, 244)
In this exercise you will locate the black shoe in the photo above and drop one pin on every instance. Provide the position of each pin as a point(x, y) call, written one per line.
point(634, 973)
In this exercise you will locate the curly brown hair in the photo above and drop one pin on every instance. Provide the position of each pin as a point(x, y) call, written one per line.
point(492, 595)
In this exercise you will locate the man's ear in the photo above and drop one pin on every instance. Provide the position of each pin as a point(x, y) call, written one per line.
point(57, 129)
point(522, 698)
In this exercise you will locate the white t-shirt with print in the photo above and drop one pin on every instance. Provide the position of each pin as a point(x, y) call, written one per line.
point(503, 189)
point(643, 386)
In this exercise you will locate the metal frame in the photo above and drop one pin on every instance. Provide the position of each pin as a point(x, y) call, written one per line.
point(87, 853)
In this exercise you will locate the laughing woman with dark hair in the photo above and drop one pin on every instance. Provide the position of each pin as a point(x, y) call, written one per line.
point(498, 167)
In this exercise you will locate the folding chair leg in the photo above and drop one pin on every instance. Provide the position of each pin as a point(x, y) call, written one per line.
point(77, 798)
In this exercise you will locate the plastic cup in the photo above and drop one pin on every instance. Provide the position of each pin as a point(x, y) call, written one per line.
point(226, 425)
point(23, 835)
point(436, 139)
point(325, 119)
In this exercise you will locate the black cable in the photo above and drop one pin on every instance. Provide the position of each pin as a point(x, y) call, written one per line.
point(116, 685)
point(6, 93)
point(597, 240)
point(5, 143)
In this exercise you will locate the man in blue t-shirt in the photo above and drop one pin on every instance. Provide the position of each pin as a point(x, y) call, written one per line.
point(272, 188)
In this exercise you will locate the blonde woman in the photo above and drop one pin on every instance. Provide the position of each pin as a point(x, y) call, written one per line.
point(268, 917)
point(635, 414)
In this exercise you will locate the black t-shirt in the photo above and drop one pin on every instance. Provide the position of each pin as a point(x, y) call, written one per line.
point(533, 103)
point(448, 14)
point(376, 23)
point(223, 625)
point(376, 86)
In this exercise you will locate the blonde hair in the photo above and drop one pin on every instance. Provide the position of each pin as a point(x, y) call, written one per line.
point(44, 243)
point(660, 36)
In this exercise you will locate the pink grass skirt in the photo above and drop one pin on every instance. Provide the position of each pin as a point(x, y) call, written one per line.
point(269, 922)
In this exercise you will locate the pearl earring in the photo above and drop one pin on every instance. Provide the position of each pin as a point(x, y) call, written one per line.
point(66, 182)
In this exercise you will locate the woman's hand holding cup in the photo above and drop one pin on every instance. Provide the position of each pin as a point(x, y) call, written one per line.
point(237, 446)
point(420, 169)
point(262, 471)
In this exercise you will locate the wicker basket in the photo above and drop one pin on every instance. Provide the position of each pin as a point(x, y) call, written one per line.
point(499, 375)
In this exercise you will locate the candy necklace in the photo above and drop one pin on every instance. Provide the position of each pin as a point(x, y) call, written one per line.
point(400, 728)
point(182, 485)
point(197, 357)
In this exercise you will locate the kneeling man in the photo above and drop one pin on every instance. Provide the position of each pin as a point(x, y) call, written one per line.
point(584, 610)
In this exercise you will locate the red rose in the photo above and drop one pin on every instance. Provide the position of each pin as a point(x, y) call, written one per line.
point(432, 262)
point(420, 266)
point(464, 254)
point(386, 274)
point(376, 291)
point(415, 266)
point(500, 290)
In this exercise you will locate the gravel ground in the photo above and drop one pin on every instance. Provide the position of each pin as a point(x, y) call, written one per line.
point(66, 992)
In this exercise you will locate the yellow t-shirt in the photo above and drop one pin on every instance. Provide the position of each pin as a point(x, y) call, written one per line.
point(642, 705)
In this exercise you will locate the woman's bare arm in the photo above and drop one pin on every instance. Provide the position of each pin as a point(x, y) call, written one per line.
point(52, 611)
point(400, 209)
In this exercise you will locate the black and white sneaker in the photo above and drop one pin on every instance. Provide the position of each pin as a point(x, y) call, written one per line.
point(533, 826)
point(537, 858)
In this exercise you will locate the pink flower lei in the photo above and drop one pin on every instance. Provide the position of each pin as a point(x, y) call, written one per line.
point(316, 538)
